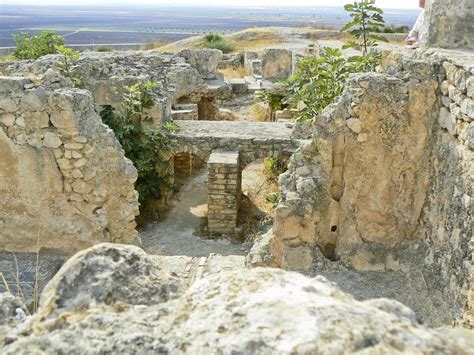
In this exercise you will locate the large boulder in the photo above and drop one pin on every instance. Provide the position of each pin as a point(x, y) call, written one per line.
point(113, 299)
point(105, 275)
point(205, 61)
point(449, 24)
point(277, 64)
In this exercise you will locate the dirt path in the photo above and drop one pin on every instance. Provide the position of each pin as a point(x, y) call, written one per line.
point(176, 234)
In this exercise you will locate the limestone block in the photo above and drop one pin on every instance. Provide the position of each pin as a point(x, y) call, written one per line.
point(10, 84)
point(470, 87)
point(204, 60)
point(277, 64)
point(355, 125)
point(7, 119)
point(51, 140)
point(34, 100)
point(467, 107)
point(470, 137)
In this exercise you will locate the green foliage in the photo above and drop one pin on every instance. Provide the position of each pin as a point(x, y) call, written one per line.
point(273, 98)
point(365, 17)
point(364, 63)
point(212, 37)
point(215, 41)
point(391, 29)
point(69, 56)
point(145, 147)
point(33, 47)
point(272, 198)
point(104, 49)
point(273, 168)
point(317, 82)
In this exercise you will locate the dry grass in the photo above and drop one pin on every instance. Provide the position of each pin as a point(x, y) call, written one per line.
point(250, 39)
point(37, 269)
point(233, 73)
point(5, 283)
point(254, 39)
point(19, 290)
point(259, 112)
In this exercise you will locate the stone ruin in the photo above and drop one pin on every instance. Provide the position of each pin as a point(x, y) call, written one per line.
point(380, 182)
point(386, 182)
point(58, 164)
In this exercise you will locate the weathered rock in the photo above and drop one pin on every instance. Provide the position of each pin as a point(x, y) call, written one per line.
point(40, 194)
point(277, 64)
point(259, 311)
point(12, 312)
point(205, 61)
point(449, 24)
point(51, 140)
point(104, 275)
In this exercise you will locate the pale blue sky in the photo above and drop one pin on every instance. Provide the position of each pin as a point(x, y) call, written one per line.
point(400, 4)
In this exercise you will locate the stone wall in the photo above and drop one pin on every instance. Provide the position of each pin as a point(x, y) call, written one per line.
point(63, 175)
point(386, 182)
point(106, 75)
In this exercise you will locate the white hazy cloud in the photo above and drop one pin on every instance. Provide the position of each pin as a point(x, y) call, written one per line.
point(398, 4)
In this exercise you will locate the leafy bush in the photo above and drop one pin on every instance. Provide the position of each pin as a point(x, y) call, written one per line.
point(69, 56)
point(215, 41)
point(273, 168)
point(273, 98)
point(211, 37)
point(392, 29)
point(272, 198)
point(143, 146)
point(365, 17)
point(317, 82)
point(104, 49)
point(33, 47)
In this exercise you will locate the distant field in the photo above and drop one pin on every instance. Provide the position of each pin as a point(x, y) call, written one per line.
point(125, 24)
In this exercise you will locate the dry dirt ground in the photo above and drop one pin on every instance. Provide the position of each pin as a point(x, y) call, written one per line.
point(257, 39)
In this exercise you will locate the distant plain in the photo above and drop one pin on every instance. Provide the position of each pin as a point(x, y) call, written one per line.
point(132, 26)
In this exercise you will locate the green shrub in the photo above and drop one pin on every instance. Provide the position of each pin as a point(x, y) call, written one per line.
point(215, 41)
point(145, 147)
point(69, 57)
point(33, 47)
point(273, 98)
point(319, 80)
point(104, 49)
point(272, 198)
point(211, 37)
point(273, 168)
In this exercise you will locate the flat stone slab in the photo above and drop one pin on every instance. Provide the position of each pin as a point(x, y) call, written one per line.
point(238, 130)
point(226, 158)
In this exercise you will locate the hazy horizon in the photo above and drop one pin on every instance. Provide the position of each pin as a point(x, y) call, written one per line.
point(389, 4)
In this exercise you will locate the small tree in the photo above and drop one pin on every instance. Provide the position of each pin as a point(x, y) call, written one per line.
point(318, 81)
point(33, 47)
point(69, 56)
point(365, 17)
